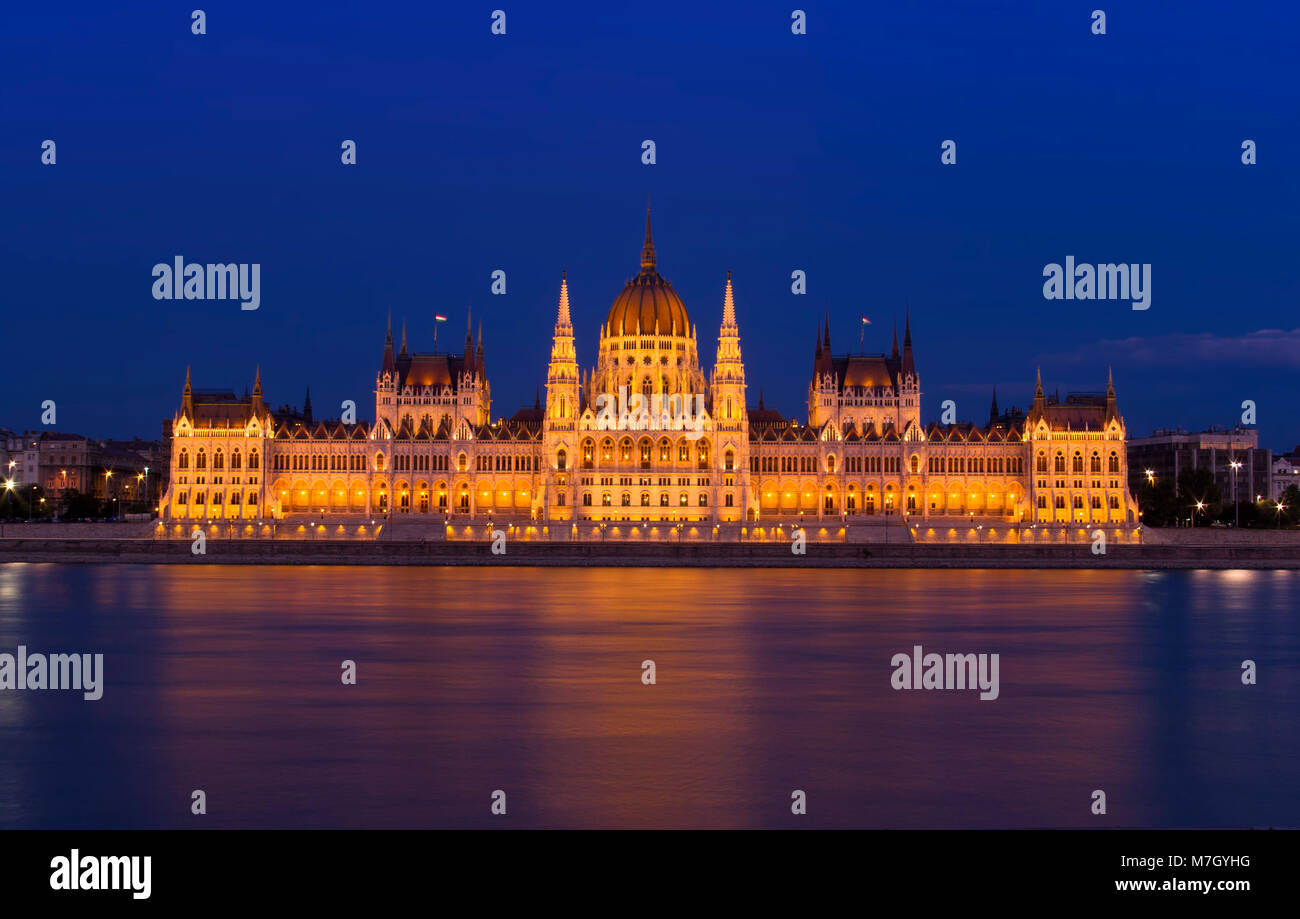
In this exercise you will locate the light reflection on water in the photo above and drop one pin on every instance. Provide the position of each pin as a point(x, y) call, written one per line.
point(528, 680)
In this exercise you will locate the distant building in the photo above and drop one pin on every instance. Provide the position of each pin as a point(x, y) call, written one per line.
point(1286, 471)
point(20, 458)
point(59, 463)
point(1166, 453)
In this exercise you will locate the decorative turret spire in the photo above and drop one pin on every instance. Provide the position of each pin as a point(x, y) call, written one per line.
point(909, 365)
point(469, 341)
point(828, 331)
point(403, 338)
point(187, 397)
point(564, 320)
point(257, 392)
point(648, 250)
point(306, 406)
point(728, 305)
point(1039, 398)
point(388, 365)
point(993, 409)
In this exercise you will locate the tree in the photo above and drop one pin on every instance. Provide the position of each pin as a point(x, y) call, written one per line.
point(1290, 505)
point(1158, 503)
point(1197, 487)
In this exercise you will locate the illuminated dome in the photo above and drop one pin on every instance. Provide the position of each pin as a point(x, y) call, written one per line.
point(648, 303)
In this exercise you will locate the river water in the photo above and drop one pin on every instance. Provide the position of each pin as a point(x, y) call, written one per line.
point(530, 681)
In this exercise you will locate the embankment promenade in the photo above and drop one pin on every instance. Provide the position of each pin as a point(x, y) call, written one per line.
point(1158, 549)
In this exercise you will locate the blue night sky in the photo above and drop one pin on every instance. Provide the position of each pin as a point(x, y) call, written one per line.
point(775, 152)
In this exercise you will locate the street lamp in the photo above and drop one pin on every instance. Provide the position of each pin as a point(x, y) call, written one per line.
point(1235, 466)
point(1200, 506)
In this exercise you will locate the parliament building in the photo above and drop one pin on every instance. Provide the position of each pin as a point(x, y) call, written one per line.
point(862, 454)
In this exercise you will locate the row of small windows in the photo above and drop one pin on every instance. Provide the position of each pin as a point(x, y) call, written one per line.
point(644, 450)
point(218, 459)
point(1076, 462)
point(1078, 502)
point(200, 498)
point(507, 463)
point(625, 499)
point(975, 465)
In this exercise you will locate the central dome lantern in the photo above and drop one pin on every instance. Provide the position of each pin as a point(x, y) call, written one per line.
point(648, 305)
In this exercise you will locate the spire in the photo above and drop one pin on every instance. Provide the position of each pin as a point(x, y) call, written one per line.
point(993, 409)
point(564, 319)
point(388, 365)
point(760, 398)
point(728, 305)
point(1038, 390)
point(479, 364)
point(187, 396)
point(306, 406)
point(908, 365)
point(648, 259)
point(469, 341)
point(403, 338)
point(828, 331)
point(1110, 394)
point(257, 392)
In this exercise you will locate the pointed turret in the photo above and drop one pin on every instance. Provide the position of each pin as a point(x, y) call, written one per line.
point(258, 405)
point(306, 406)
point(909, 366)
point(403, 352)
point(1039, 399)
point(648, 259)
point(993, 408)
point(564, 384)
point(389, 365)
point(469, 341)
point(828, 331)
point(1111, 410)
point(479, 364)
point(187, 397)
point(564, 320)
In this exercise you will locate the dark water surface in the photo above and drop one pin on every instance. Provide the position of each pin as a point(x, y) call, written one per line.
point(226, 679)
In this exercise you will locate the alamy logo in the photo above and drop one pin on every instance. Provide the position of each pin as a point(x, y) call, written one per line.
point(657, 412)
point(946, 671)
point(104, 872)
point(193, 281)
point(1098, 282)
point(84, 672)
